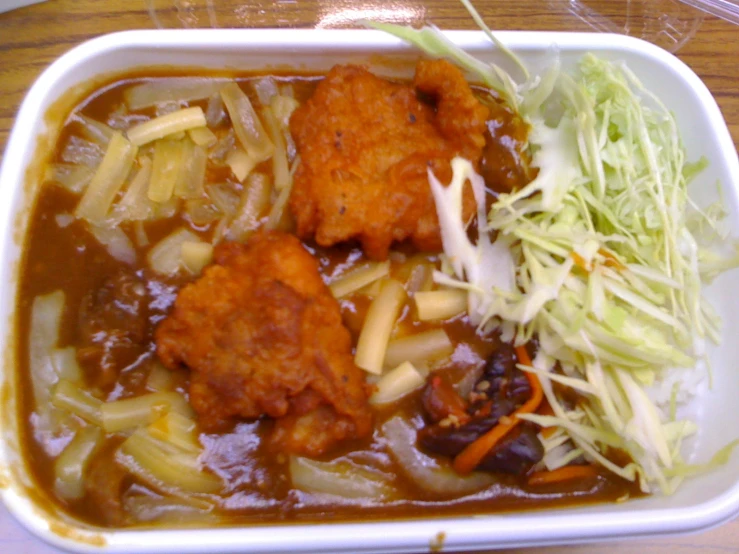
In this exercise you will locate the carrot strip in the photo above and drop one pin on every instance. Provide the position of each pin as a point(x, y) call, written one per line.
point(610, 261)
point(566, 473)
point(472, 455)
point(580, 261)
point(523, 356)
point(546, 409)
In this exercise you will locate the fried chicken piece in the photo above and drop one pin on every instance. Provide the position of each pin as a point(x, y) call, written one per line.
point(262, 335)
point(366, 145)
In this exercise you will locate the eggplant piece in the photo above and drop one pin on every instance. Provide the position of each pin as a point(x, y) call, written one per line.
point(450, 441)
point(501, 362)
point(503, 378)
point(517, 453)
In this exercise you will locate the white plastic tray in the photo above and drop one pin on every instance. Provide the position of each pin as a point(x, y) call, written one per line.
point(702, 502)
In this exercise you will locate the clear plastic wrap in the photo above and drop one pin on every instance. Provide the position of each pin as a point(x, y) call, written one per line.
point(667, 23)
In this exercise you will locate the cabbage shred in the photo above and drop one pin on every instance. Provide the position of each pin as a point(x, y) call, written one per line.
point(602, 257)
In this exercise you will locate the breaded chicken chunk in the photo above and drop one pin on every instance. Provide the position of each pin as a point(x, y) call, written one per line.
point(366, 145)
point(262, 335)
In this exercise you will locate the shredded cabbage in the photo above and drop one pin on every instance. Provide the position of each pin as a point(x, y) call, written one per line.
point(597, 257)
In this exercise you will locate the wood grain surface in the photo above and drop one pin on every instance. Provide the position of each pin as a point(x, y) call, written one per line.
point(32, 37)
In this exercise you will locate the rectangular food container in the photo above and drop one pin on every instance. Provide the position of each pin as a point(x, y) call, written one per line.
point(702, 502)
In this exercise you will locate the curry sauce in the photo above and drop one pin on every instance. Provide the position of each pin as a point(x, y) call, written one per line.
point(114, 303)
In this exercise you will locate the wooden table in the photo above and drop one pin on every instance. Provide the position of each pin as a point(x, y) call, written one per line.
point(31, 38)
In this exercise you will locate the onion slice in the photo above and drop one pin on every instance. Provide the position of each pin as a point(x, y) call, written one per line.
point(425, 471)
